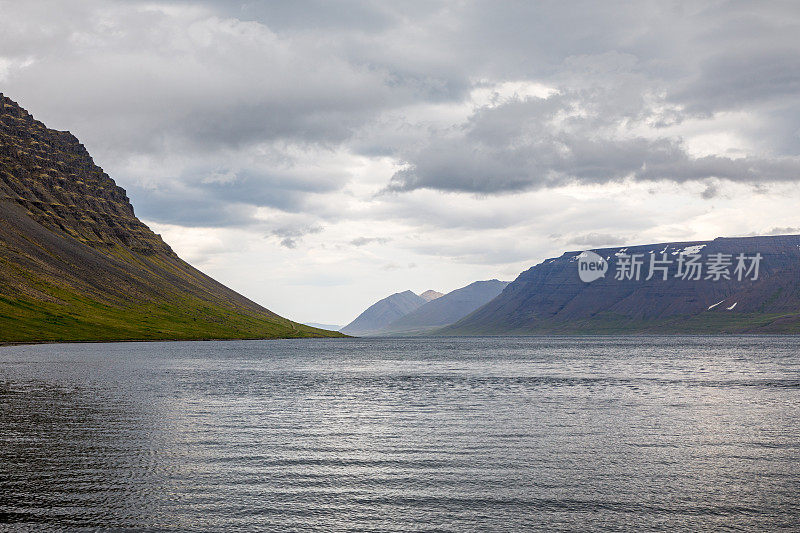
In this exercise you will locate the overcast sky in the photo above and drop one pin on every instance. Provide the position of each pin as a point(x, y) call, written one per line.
point(318, 156)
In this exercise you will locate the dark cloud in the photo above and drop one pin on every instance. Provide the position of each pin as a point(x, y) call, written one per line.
point(305, 14)
point(208, 197)
point(290, 236)
point(571, 137)
point(138, 78)
point(711, 191)
point(217, 81)
point(735, 81)
point(191, 210)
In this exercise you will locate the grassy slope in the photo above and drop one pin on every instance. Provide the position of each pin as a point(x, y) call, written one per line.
point(37, 305)
point(24, 320)
point(62, 313)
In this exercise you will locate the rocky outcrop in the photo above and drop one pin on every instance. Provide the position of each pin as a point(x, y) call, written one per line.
point(51, 175)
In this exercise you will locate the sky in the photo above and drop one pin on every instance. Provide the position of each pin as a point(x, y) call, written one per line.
point(318, 156)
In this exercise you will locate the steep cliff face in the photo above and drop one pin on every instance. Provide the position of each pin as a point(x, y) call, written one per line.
point(551, 298)
point(52, 176)
point(76, 263)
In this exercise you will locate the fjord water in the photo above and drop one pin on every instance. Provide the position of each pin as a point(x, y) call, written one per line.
point(503, 434)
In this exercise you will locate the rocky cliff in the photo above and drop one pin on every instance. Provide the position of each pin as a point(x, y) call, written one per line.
point(551, 297)
point(76, 263)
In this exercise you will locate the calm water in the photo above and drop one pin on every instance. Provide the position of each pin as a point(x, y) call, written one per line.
point(402, 435)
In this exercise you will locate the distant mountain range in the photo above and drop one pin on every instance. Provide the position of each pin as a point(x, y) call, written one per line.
point(383, 312)
point(76, 264)
point(551, 297)
point(407, 313)
point(447, 309)
point(329, 327)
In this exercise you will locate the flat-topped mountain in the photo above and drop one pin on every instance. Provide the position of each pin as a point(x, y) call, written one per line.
point(76, 263)
point(728, 285)
point(382, 313)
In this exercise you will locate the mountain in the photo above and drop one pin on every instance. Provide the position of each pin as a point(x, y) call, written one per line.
point(430, 295)
point(76, 264)
point(329, 327)
point(551, 297)
point(382, 313)
point(447, 309)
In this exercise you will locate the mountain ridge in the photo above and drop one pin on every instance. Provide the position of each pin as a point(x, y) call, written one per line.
point(550, 298)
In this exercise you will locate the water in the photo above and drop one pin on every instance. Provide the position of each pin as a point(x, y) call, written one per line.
point(485, 434)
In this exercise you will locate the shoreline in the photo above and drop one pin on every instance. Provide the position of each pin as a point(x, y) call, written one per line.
point(114, 341)
point(529, 336)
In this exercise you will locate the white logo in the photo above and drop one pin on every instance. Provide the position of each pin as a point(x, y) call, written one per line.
point(688, 266)
point(591, 266)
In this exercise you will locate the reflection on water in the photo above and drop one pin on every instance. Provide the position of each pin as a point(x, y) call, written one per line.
point(445, 434)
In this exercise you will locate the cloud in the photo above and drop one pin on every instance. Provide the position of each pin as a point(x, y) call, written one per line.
point(597, 240)
point(363, 241)
point(748, 77)
point(222, 78)
point(290, 236)
point(788, 230)
point(711, 190)
point(570, 137)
